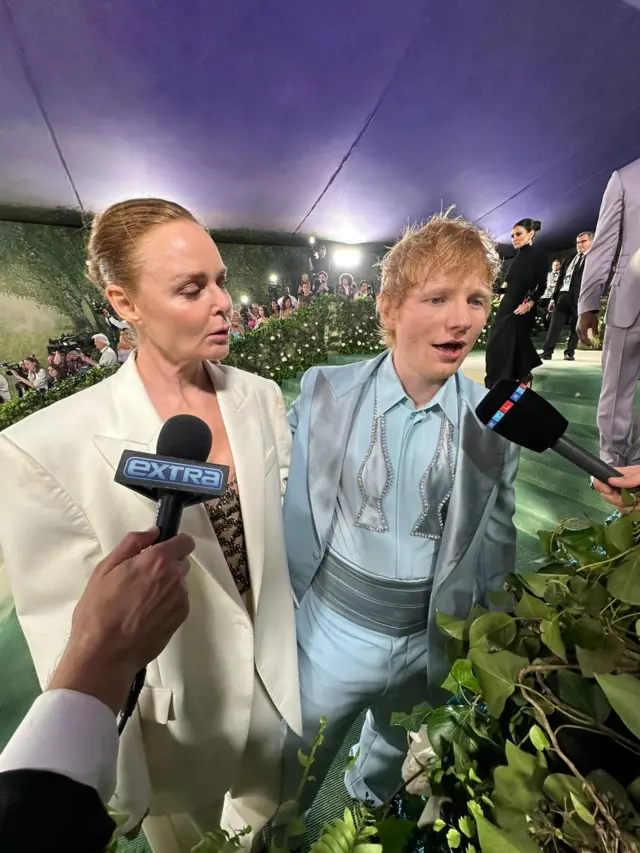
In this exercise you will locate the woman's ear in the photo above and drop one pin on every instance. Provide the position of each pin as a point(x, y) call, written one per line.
point(124, 307)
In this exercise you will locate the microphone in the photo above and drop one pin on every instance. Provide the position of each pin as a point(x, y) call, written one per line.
point(520, 415)
point(177, 476)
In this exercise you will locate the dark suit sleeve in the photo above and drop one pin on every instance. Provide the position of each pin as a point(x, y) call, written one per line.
point(42, 811)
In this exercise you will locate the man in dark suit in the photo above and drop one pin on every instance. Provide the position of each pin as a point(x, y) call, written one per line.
point(60, 766)
point(564, 302)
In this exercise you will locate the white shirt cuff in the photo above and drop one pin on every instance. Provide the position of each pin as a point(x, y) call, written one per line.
point(68, 733)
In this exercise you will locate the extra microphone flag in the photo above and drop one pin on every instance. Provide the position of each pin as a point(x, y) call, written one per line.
point(179, 466)
point(520, 415)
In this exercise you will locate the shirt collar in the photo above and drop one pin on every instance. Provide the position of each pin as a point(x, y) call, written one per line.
point(390, 393)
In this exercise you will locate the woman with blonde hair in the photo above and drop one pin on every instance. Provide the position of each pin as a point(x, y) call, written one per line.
point(126, 344)
point(205, 740)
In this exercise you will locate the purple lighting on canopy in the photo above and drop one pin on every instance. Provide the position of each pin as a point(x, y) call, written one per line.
point(335, 119)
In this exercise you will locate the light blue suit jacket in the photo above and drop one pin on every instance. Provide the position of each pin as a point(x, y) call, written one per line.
point(479, 542)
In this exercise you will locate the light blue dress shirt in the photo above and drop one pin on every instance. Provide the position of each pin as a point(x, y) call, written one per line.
point(411, 438)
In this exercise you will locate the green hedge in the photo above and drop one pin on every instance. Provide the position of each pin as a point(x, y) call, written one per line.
point(279, 350)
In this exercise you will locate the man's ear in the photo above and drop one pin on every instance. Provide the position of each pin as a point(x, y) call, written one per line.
point(387, 312)
point(122, 304)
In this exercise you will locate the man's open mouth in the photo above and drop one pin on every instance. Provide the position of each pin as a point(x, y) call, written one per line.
point(451, 347)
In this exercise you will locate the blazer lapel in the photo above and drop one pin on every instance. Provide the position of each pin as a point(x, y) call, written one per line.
point(240, 416)
point(331, 416)
point(137, 427)
point(479, 458)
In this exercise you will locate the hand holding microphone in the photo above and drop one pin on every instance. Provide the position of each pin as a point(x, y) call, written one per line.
point(628, 478)
point(133, 603)
point(520, 415)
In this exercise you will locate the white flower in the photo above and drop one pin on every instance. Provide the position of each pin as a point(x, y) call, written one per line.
point(420, 754)
point(284, 358)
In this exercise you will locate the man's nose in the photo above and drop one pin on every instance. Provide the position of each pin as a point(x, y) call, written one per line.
point(459, 317)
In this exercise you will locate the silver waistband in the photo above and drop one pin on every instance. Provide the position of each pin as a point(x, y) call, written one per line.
point(385, 605)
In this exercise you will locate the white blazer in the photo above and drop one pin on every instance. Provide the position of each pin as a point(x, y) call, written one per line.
point(61, 512)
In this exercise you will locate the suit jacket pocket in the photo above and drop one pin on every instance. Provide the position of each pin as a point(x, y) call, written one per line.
point(156, 705)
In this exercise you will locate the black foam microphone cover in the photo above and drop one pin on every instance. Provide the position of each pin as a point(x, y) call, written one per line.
point(185, 437)
point(520, 415)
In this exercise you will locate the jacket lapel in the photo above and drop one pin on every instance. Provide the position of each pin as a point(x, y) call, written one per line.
point(480, 455)
point(137, 427)
point(332, 411)
point(247, 448)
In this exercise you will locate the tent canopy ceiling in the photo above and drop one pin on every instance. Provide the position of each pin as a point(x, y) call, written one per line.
point(340, 119)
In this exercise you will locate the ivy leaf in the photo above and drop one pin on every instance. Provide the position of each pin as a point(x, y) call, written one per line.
point(514, 790)
point(537, 582)
point(492, 632)
point(303, 760)
point(519, 760)
point(412, 722)
point(602, 660)
point(438, 825)
point(593, 596)
point(634, 790)
point(466, 826)
point(454, 650)
point(623, 693)
point(583, 695)
point(495, 840)
point(624, 581)
point(581, 810)
point(501, 600)
point(530, 607)
point(552, 637)
point(539, 738)
point(453, 839)
point(450, 625)
point(497, 674)
point(545, 537)
point(608, 787)
point(447, 725)
point(587, 633)
point(619, 535)
point(461, 676)
point(394, 834)
point(475, 613)
point(559, 787)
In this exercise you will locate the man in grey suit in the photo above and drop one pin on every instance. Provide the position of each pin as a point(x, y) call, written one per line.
point(616, 240)
point(399, 504)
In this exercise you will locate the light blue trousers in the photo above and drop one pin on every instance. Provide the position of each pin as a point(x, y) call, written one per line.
point(345, 670)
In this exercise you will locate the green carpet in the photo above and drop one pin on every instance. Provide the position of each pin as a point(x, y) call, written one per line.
point(548, 489)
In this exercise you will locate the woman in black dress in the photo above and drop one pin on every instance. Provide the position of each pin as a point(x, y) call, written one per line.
point(510, 350)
